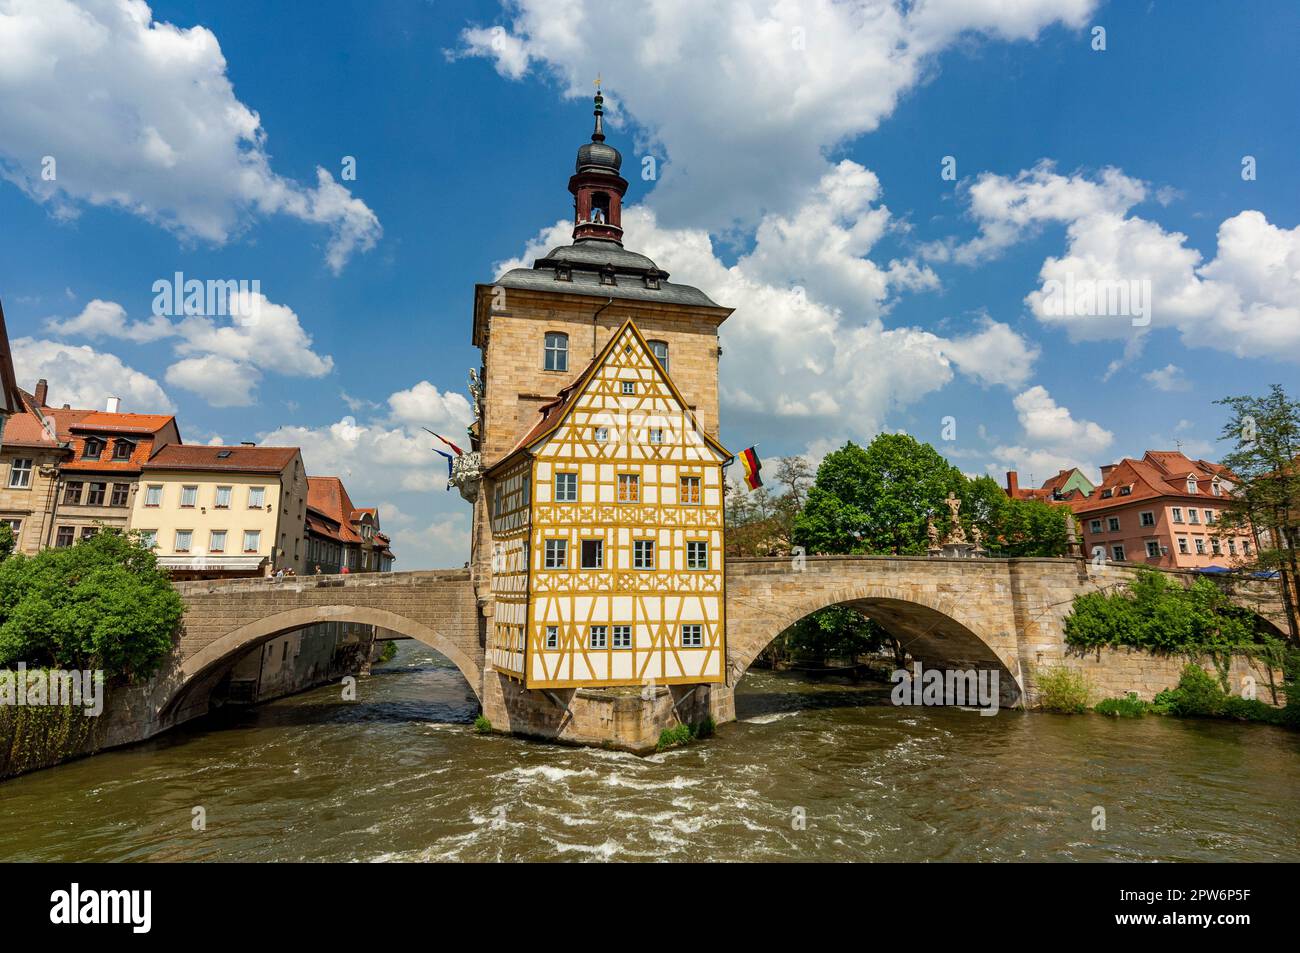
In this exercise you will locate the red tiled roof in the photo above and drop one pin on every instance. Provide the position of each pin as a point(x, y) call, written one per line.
point(1160, 473)
point(176, 456)
point(102, 420)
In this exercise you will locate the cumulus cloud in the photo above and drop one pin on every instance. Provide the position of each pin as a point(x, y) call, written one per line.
point(808, 344)
point(218, 380)
point(1055, 439)
point(1245, 301)
point(84, 377)
point(423, 405)
point(794, 80)
point(100, 319)
point(223, 358)
point(103, 105)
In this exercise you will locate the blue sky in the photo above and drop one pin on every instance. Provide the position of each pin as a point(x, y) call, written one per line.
point(798, 151)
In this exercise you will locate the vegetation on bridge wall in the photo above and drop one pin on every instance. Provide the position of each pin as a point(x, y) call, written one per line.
point(38, 736)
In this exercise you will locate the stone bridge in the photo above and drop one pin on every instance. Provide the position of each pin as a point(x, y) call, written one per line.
point(964, 613)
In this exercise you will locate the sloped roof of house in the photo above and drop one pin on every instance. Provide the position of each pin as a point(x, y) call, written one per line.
point(1160, 473)
point(177, 456)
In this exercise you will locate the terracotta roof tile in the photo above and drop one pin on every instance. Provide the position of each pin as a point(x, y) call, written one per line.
point(178, 456)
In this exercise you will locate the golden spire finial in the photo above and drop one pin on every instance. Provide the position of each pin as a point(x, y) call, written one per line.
point(597, 82)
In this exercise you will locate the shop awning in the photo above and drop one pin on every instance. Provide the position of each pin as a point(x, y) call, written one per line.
point(211, 563)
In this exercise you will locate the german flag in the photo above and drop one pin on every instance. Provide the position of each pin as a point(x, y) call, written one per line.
point(752, 465)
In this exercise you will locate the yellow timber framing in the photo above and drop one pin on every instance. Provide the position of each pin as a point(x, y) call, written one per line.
point(655, 603)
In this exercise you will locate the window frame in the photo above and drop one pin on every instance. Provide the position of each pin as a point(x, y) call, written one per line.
point(212, 533)
point(1117, 552)
point(261, 490)
point(571, 486)
point(1147, 518)
point(1112, 524)
point(216, 497)
point(628, 479)
point(190, 490)
point(552, 637)
point(599, 543)
point(692, 635)
point(620, 637)
point(654, 351)
point(597, 636)
point(120, 495)
point(555, 554)
point(691, 546)
point(189, 542)
point(16, 468)
point(555, 350)
point(257, 541)
point(640, 559)
point(683, 497)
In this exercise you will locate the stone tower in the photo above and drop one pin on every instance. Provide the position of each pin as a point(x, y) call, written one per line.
point(538, 328)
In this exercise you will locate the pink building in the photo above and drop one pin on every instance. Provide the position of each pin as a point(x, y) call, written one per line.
point(1162, 510)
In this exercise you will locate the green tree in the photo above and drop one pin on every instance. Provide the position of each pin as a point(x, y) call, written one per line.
point(1265, 463)
point(101, 603)
point(877, 499)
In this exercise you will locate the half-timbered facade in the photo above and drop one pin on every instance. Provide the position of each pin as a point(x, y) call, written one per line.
point(607, 530)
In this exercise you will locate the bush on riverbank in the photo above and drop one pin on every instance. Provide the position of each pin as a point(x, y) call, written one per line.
point(99, 604)
point(1130, 706)
point(1063, 689)
point(1199, 695)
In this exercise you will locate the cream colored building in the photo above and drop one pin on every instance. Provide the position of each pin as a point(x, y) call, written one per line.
point(214, 511)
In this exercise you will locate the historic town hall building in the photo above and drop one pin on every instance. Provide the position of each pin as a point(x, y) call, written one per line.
point(598, 542)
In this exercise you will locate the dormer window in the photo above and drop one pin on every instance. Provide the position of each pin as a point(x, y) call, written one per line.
point(93, 449)
point(1191, 484)
point(652, 280)
point(607, 276)
point(1107, 494)
point(563, 273)
point(1215, 487)
point(1125, 490)
point(122, 449)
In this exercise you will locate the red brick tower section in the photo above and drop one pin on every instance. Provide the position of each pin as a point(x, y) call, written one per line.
point(597, 187)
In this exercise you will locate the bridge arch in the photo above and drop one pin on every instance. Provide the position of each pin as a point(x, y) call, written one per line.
point(936, 630)
point(192, 669)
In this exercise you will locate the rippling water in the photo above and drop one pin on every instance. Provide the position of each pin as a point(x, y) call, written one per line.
point(401, 775)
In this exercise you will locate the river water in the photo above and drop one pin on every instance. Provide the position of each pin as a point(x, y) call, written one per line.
point(812, 771)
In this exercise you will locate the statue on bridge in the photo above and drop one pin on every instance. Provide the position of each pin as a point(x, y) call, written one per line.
point(953, 544)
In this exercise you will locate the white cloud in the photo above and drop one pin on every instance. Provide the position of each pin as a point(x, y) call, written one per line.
point(423, 405)
point(745, 97)
point(218, 380)
point(260, 332)
point(108, 319)
point(1055, 440)
point(85, 378)
point(1168, 378)
point(224, 358)
point(1245, 301)
point(1046, 421)
point(815, 351)
point(141, 115)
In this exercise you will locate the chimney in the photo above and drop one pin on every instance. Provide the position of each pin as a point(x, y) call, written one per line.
point(1105, 470)
point(1013, 484)
point(114, 404)
point(42, 391)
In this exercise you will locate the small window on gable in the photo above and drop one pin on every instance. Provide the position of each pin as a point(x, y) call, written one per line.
point(629, 387)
